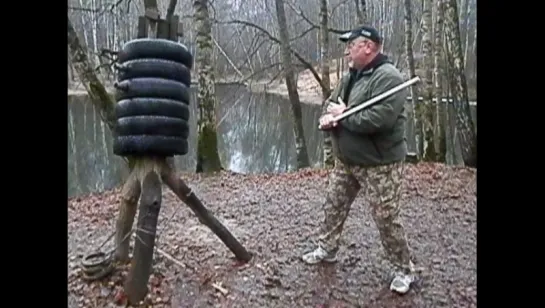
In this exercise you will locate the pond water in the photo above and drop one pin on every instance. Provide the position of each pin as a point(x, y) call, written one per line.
point(255, 134)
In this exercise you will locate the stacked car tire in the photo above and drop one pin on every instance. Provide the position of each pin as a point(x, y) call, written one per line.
point(152, 98)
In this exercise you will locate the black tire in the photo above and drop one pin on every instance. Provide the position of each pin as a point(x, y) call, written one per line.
point(156, 68)
point(155, 48)
point(151, 87)
point(143, 145)
point(144, 106)
point(152, 125)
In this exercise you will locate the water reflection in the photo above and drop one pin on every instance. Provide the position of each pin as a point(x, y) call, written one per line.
point(255, 134)
point(91, 163)
point(256, 131)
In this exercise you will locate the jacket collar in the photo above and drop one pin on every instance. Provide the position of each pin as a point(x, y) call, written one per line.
point(371, 66)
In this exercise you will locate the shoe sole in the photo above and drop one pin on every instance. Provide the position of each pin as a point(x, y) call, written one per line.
point(318, 261)
point(399, 291)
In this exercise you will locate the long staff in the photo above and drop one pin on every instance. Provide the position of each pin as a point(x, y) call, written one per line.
point(375, 99)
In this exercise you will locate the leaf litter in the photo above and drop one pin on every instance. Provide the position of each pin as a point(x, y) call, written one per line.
point(276, 217)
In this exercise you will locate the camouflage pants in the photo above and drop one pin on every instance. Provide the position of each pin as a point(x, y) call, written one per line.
point(382, 186)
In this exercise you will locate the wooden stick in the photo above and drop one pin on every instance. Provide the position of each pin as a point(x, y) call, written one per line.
point(375, 99)
point(171, 258)
point(220, 288)
point(177, 185)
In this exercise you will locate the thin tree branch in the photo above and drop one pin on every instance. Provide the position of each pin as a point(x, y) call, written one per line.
point(305, 63)
point(310, 22)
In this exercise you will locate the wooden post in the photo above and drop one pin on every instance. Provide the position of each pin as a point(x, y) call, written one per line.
point(145, 182)
point(175, 28)
point(150, 204)
point(127, 211)
point(142, 27)
point(145, 172)
point(163, 29)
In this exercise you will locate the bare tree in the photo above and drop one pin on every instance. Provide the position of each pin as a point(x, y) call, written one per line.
point(207, 156)
point(427, 103)
point(441, 110)
point(248, 50)
point(300, 144)
point(87, 74)
point(412, 72)
point(324, 62)
point(361, 11)
point(464, 125)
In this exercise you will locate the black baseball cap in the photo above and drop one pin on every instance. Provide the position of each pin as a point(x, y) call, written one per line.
point(363, 31)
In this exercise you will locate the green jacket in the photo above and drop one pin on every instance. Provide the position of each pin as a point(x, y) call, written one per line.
point(375, 135)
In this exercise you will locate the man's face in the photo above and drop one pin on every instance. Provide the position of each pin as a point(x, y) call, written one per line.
point(357, 52)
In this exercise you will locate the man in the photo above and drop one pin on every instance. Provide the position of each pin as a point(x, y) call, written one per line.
point(369, 148)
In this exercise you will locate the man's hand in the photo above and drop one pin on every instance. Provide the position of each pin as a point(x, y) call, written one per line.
point(327, 121)
point(336, 109)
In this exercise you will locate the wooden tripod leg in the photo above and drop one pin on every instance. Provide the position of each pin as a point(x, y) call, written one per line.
point(150, 204)
point(177, 185)
point(127, 210)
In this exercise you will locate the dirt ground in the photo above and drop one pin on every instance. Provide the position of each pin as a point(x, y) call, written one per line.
point(276, 217)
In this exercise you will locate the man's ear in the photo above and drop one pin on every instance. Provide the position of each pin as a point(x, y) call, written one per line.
point(376, 47)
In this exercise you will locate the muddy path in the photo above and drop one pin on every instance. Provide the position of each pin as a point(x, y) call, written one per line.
point(276, 217)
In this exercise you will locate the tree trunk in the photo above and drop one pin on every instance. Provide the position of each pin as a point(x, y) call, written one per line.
point(100, 98)
point(361, 11)
point(441, 120)
point(465, 45)
point(324, 62)
point(208, 159)
point(450, 121)
point(475, 53)
point(464, 124)
point(427, 102)
point(414, 118)
point(300, 144)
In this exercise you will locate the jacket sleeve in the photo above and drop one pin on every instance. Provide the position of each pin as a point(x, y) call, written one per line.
point(383, 114)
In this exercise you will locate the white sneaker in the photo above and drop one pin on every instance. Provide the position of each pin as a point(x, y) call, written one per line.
point(402, 283)
point(318, 255)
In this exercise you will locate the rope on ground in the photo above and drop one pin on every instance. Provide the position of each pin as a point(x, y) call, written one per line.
point(97, 265)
